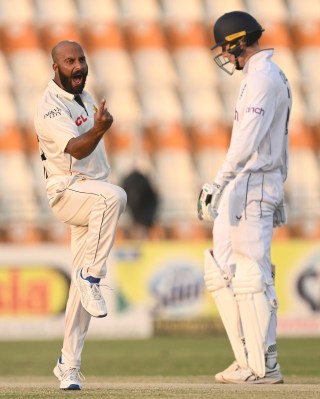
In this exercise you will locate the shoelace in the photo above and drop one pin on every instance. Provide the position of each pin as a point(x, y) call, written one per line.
point(96, 292)
point(73, 374)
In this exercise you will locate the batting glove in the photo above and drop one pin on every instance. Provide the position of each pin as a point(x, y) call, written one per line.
point(208, 201)
point(280, 215)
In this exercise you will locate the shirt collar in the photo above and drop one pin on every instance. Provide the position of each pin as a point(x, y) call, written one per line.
point(256, 58)
point(58, 90)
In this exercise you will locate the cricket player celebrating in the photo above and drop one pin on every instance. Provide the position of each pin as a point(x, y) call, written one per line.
point(70, 130)
point(246, 201)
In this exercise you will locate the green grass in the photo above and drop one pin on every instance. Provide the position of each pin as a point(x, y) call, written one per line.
point(157, 363)
point(159, 356)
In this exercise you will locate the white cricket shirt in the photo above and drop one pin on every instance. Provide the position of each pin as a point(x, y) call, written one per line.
point(259, 141)
point(58, 119)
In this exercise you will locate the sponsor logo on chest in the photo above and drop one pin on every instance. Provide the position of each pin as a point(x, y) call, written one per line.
point(52, 113)
point(255, 110)
point(80, 120)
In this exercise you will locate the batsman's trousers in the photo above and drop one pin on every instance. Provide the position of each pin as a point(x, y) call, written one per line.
point(245, 226)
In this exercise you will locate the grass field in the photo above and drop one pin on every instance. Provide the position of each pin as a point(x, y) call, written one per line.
point(161, 367)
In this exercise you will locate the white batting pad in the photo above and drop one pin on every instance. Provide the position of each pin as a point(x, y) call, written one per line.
point(249, 288)
point(218, 285)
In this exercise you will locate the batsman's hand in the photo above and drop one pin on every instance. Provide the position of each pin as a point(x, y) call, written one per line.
point(280, 215)
point(102, 118)
point(205, 210)
point(208, 201)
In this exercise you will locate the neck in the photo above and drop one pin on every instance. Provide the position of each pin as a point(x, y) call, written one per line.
point(250, 51)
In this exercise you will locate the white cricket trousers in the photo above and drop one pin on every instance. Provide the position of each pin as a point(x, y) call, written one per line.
point(245, 226)
point(92, 208)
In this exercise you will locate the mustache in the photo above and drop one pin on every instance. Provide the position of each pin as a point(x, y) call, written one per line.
point(79, 73)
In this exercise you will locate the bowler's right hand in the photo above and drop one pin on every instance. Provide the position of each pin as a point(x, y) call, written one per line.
point(102, 118)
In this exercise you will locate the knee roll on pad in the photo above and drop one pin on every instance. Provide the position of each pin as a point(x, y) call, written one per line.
point(213, 276)
point(218, 285)
point(255, 310)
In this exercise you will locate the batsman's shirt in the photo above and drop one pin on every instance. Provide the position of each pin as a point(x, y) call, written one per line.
point(259, 141)
point(58, 119)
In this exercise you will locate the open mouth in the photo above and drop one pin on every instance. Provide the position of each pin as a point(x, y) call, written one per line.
point(77, 79)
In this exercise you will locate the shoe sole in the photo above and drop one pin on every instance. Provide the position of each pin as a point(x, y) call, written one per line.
point(266, 382)
point(269, 382)
point(72, 387)
point(99, 316)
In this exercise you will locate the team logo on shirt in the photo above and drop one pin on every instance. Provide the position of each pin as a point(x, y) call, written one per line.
point(53, 113)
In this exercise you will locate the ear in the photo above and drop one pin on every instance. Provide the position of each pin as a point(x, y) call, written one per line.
point(55, 67)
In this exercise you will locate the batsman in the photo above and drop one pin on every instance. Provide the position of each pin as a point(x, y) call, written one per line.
point(246, 201)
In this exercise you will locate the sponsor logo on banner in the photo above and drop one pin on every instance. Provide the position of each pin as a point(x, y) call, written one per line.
point(32, 291)
point(299, 294)
point(308, 283)
point(177, 289)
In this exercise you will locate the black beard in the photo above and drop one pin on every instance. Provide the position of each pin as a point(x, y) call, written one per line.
point(67, 85)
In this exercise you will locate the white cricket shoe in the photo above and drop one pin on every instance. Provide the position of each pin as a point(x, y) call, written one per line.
point(70, 378)
point(238, 375)
point(233, 367)
point(90, 295)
